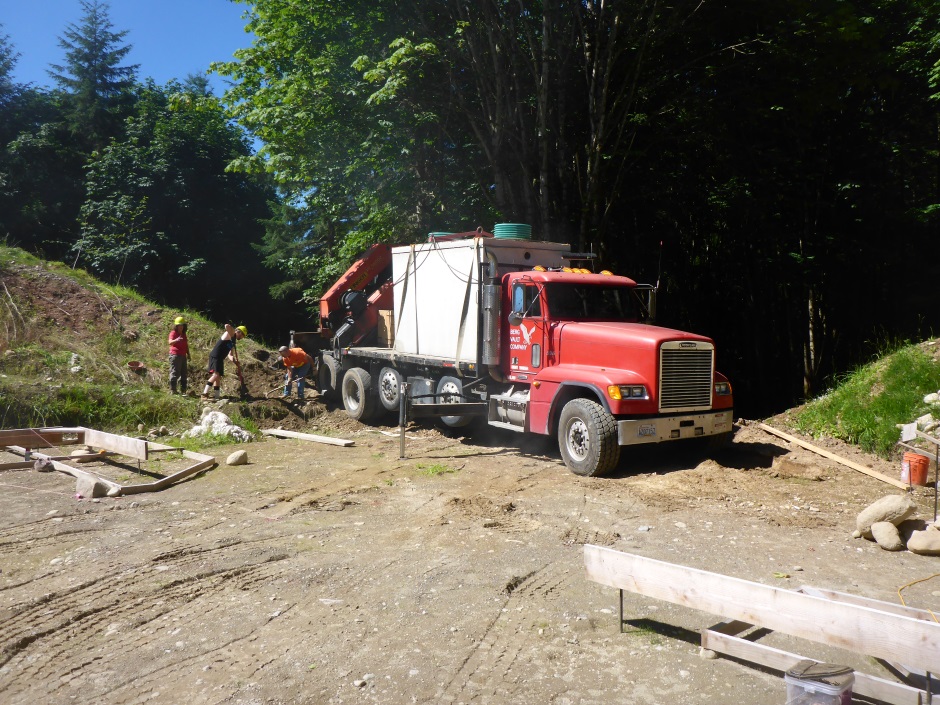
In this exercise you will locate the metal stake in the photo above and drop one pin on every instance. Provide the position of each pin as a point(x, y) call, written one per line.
point(402, 417)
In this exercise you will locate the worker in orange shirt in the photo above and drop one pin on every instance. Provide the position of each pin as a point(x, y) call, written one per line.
point(298, 364)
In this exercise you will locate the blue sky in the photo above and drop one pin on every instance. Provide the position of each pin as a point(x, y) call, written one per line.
point(170, 38)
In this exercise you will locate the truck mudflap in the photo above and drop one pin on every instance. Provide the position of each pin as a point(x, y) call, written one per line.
point(634, 431)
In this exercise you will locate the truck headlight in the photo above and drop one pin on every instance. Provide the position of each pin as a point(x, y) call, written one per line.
point(722, 389)
point(627, 391)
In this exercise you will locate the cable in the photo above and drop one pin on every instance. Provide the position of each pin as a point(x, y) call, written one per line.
point(914, 582)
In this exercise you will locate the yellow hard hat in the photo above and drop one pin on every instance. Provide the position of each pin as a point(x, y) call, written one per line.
point(179, 321)
point(243, 330)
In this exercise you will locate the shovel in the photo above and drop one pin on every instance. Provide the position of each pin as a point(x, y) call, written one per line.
point(242, 387)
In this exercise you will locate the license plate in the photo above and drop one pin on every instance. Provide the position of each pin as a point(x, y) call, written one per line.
point(646, 430)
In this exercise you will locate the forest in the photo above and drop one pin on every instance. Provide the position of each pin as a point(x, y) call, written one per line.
point(773, 165)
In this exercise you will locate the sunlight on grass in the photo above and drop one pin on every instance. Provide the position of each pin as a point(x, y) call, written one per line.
point(866, 406)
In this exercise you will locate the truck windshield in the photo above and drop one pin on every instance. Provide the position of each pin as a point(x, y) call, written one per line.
point(574, 302)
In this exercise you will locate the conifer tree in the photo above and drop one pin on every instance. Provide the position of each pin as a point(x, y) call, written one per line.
point(97, 85)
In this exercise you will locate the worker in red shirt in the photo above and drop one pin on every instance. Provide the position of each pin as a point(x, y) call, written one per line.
point(298, 364)
point(179, 355)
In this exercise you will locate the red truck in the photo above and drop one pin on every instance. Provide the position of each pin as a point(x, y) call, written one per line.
point(507, 328)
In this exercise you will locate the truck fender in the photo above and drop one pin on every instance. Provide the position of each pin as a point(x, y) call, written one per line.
point(572, 390)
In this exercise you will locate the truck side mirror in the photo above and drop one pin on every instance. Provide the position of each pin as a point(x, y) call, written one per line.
point(514, 318)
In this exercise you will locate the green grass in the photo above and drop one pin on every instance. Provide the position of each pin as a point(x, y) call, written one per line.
point(435, 469)
point(866, 406)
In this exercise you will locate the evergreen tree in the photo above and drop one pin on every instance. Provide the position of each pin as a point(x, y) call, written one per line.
point(98, 86)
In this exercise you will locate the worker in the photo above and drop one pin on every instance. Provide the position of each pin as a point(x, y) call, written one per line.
point(298, 364)
point(179, 355)
point(224, 348)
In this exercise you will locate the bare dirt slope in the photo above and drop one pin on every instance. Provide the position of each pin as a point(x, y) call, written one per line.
point(321, 574)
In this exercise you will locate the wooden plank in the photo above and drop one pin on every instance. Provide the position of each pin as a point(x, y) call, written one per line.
point(309, 437)
point(868, 631)
point(31, 437)
point(869, 686)
point(845, 597)
point(169, 479)
point(23, 465)
point(839, 459)
point(131, 447)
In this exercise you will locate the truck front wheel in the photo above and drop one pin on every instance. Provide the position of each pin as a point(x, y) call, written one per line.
point(358, 396)
point(587, 438)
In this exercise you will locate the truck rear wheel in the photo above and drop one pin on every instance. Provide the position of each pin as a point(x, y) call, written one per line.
point(450, 390)
point(358, 396)
point(328, 377)
point(587, 438)
point(389, 388)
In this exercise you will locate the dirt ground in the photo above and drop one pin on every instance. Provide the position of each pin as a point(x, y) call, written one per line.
point(324, 574)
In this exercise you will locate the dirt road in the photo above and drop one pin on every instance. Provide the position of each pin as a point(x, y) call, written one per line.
point(321, 574)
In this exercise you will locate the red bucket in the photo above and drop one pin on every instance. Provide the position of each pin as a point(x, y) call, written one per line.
point(914, 468)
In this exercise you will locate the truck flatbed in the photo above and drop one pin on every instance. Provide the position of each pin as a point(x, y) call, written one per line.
point(394, 357)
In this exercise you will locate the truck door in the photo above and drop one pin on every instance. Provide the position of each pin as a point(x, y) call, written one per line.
point(527, 339)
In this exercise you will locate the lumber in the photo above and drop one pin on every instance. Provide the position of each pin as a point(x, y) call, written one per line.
point(873, 687)
point(309, 437)
point(866, 630)
point(123, 445)
point(832, 456)
point(33, 437)
point(169, 479)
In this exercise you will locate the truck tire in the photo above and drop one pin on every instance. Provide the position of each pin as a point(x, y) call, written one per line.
point(328, 377)
point(358, 395)
point(450, 389)
point(389, 388)
point(587, 438)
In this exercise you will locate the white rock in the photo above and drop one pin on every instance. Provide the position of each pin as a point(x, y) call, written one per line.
point(239, 457)
point(217, 423)
point(924, 420)
point(932, 398)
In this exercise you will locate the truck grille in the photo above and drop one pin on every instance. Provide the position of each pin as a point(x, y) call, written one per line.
point(685, 375)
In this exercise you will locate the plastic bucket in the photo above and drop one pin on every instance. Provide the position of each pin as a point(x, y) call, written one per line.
point(914, 468)
point(513, 231)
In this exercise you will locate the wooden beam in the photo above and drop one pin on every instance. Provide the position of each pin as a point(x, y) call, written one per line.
point(124, 445)
point(309, 437)
point(832, 456)
point(33, 437)
point(869, 686)
point(207, 462)
point(863, 629)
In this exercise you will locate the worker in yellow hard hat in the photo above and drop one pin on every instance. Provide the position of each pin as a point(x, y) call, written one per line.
point(179, 356)
point(224, 348)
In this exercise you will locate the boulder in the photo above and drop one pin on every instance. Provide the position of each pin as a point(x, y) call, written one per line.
point(887, 536)
point(894, 508)
point(239, 457)
point(87, 486)
point(907, 527)
point(925, 543)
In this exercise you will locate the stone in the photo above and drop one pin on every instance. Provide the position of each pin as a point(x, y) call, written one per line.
point(42, 465)
point(907, 527)
point(932, 398)
point(239, 457)
point(924, 543)
point(163, 431)
point(893, 507)
point(886, 535)
point(923, 421)
point(90, 487)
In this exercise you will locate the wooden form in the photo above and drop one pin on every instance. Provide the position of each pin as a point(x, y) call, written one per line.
point(110, 443)
point(309, 437)
point(832, 456)
point(869, 627)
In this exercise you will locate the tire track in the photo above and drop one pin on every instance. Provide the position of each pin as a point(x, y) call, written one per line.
point(485, 674)
point(58, 648)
